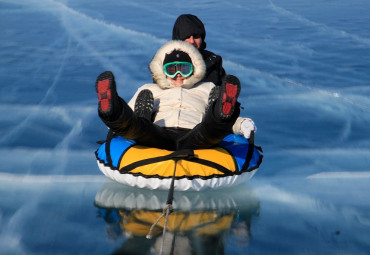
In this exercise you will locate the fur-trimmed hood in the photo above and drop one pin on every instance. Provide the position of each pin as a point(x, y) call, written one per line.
point(156, 65)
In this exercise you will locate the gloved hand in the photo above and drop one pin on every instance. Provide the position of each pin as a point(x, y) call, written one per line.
point(247, 127)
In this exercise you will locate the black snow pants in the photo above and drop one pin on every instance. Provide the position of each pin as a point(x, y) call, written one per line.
point(206, 134)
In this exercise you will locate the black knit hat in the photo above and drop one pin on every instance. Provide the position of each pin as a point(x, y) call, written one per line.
point(187, 25)
point(176, 55)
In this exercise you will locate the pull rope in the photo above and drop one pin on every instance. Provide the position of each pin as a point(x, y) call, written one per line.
point(176, 156)
point(167, 209)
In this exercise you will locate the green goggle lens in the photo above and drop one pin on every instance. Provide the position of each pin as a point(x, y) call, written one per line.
point(173, 68)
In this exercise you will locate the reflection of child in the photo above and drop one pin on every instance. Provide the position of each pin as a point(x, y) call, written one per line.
point(173, 243)
point(183, 119)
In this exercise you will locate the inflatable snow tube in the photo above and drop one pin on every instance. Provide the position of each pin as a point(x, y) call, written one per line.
point(232, 162)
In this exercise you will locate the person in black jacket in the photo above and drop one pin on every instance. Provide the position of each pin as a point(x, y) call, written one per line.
point(191, 29)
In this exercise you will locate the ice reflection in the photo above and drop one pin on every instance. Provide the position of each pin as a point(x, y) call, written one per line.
point(200, 223)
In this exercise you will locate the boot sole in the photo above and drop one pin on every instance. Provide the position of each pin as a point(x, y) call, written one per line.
point(144, 104)
point(104, 86)
point(230, 94)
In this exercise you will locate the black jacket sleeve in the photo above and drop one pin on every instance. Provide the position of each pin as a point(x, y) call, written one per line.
point(214, 70)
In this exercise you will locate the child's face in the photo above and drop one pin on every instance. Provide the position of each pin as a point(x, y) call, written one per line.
point(178, 71)
point(178, 80)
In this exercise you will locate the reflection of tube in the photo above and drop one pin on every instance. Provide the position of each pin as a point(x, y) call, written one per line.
point(138, 222)
point(118, 196)
point(198, 217)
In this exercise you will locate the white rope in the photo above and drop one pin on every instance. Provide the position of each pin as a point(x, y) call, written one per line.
point(166, 212)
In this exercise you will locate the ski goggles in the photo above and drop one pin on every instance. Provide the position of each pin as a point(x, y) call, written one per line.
point(173, 68)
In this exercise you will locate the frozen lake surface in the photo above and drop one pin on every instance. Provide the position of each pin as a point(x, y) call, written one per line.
point(304, 69)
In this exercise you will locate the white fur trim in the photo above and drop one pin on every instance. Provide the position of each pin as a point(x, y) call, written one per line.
point(156, 65)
